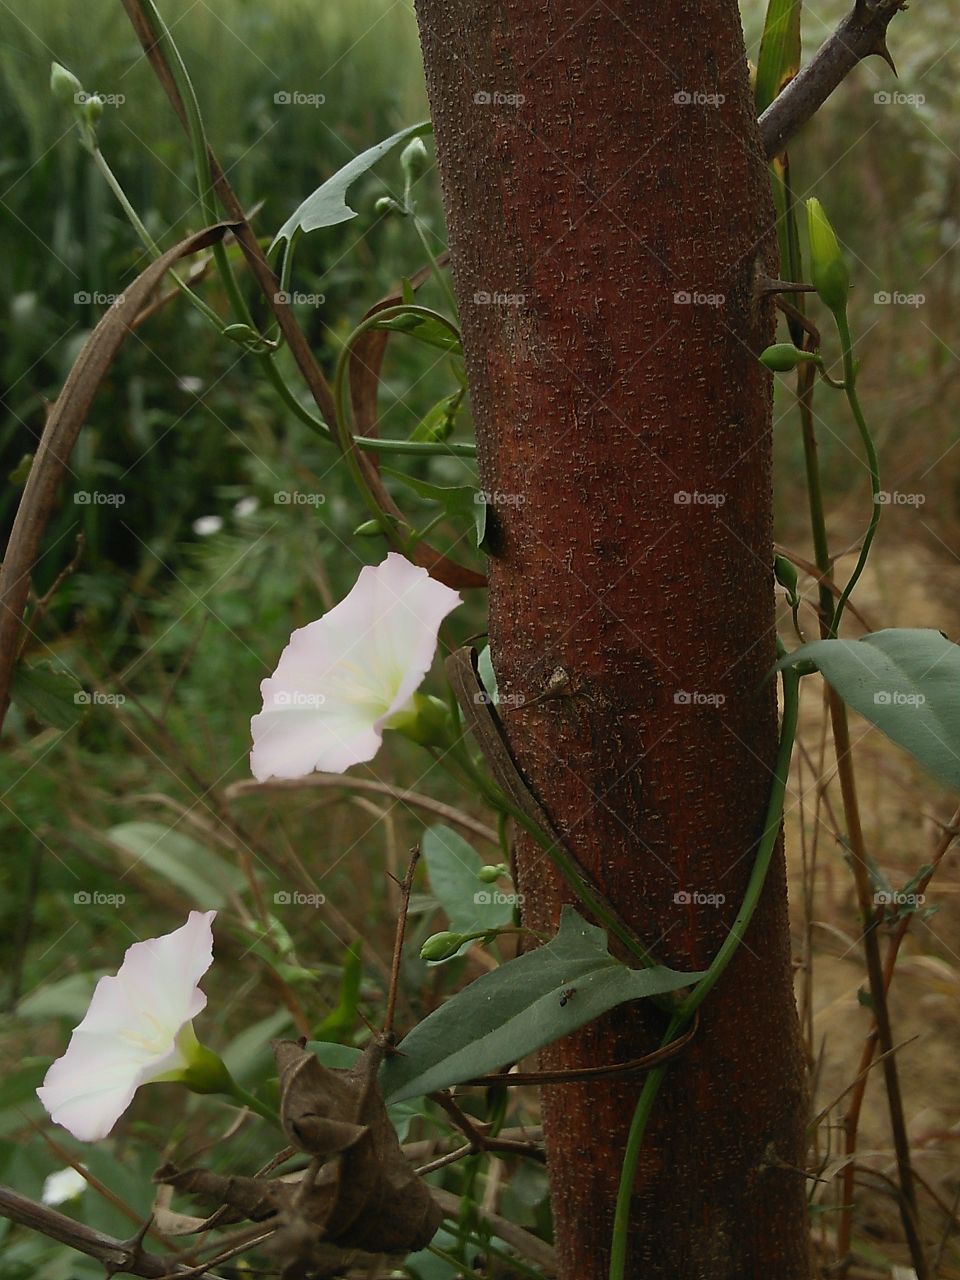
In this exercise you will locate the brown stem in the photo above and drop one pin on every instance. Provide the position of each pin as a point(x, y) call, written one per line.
point(851, 1119)
point(858, 861)
point(406, 889)
point(649, 1060)
point(878, 990)
point(496, 1146)
point(116, 1255)
point(336, 781)
point(41, 605)
point(529, 1246)
point(861, 33)
point(60, 433)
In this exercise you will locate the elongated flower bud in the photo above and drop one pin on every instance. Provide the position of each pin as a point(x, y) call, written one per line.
point(414, 159)
point(441, 946)
point(64, 85)
point(784, 356)
point(786, 574)
point(830, 275)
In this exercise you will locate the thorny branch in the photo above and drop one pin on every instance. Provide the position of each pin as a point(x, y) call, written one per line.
point(862, 32)
point(117, 1256)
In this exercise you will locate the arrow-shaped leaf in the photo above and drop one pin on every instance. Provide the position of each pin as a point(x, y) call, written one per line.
point(328, 206)
point(906, 682)
point(520, 1007)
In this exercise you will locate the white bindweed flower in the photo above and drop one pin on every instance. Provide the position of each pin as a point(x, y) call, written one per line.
point(206, 526)
point(345, 678)
point(137, 1029)
point(64, 1185)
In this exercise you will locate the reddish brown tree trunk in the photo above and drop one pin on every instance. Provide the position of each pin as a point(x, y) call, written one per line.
point(600, 161)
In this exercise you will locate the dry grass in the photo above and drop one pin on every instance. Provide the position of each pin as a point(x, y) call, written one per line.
point(903, 813)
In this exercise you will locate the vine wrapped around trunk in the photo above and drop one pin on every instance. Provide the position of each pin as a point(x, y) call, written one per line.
point(609, 217)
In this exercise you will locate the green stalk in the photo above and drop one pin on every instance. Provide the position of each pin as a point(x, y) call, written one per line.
point(728, 948)
point(201, 155)
point(239, 1094)
point(434, 265)
point(873, 462)
point(415, 448)
point(341, 427)
point(411, 211)
point(369, 444)
point(146, 238)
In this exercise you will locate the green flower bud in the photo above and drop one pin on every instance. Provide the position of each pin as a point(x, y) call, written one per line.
point(786, 574)
point(387, 204)
point(64, 85)
point(491, 873)
point(92, 110)
point(369, 529)
point(442, 946)
point(830, 276)
point(784, 356)
point(414, 159)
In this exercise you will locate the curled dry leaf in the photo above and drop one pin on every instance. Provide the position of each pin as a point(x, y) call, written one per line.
point(60, 432)
point(358, 1200)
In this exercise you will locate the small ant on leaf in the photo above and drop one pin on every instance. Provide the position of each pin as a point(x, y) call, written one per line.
point(567, 995)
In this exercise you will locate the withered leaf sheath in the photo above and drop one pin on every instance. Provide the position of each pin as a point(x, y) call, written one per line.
point(365, 1201)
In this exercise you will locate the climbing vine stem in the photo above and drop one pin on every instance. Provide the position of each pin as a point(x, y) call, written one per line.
point(728, 948)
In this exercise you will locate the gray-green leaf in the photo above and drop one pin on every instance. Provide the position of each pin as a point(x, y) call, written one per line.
point(520, 1007)
point(906, 682)
point(452, 866)
point(328, 206)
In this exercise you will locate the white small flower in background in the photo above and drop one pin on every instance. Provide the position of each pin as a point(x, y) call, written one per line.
point(246, 507)
point(64, 1185)
point(192, 385)
point(204, 526)
point(342, 679)
point(137, 1029)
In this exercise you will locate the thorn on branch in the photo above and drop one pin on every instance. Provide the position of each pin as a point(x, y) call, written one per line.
point(861, 34)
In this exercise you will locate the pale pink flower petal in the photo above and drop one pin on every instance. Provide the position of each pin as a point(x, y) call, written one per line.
point(341, 678)
point(130, 1034)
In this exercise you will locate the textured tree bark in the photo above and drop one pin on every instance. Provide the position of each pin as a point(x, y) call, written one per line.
point(608, 214)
